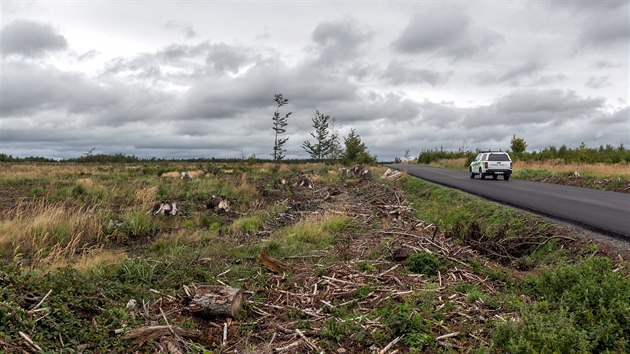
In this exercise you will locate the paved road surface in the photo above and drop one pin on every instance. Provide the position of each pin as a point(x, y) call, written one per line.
point(600, 210)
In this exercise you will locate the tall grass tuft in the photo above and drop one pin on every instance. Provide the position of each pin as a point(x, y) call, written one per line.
point(146, 196)
point(48, 232)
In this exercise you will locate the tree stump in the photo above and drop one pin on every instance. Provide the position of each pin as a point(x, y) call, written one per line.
point(216, 301)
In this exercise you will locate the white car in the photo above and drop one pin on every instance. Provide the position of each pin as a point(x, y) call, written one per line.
point(491, 163)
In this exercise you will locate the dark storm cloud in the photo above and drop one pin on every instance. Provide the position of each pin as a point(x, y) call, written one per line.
point(444, 32)
point(596, 82)
point(30, 38)
point(338, 41)
point(514, 74)
point(397, 73)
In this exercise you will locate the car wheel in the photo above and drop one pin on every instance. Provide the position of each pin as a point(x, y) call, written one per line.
point(481, 174)
point(472, 174)
point(494, 176)
point(506, 177)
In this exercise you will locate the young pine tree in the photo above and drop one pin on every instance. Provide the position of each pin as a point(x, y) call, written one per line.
point(355, 151)
point(323, 146)
point(279, 124)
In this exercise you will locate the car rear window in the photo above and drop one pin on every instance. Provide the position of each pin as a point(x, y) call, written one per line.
point(498, 157)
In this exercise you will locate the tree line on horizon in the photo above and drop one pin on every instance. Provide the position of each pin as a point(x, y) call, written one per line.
point(518, 146)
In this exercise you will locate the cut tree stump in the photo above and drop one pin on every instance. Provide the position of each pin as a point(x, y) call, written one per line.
point(211, 301)
point(271, 263)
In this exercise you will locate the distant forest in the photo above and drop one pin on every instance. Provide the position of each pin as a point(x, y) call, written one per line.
point(580, 154)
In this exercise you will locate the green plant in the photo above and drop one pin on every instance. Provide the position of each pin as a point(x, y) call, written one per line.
point(423, 263)
point(581, 308)
point(138, 223)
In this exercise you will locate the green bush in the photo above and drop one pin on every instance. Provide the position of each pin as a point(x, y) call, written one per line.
point(423, 263)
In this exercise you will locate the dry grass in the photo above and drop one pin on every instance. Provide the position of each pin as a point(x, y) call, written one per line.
point(49, 232)
point(40, 170)
point(85, 182)
point(598, 169)
point(456, 164)
point(146, 196)
point(91, 260)
point(173, 174)
point(247, 188)
point(88, 260)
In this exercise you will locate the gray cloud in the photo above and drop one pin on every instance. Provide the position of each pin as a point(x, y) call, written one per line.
point(188, 31)
point(527, 107)
point(444, 32)
point(513, 75)
point(397, 73)
point(338, 41)
point(28, 88)
point(30, 38)
point(596, 82)
point(606, 29)
point(549, 80)
point(604, 64)
point(225, 58)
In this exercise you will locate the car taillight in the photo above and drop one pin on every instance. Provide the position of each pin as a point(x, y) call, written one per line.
point(486, 165)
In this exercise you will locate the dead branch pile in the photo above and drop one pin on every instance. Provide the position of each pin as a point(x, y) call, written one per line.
point(350, 278)
point(502, 245)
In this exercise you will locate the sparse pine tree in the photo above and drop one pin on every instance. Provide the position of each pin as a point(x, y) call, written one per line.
point(518, 145)
point(279, 124)
point(322, 147)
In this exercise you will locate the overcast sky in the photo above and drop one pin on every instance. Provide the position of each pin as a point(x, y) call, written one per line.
point(197, 78)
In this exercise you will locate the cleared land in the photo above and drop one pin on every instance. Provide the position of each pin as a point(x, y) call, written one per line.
point(365, 265)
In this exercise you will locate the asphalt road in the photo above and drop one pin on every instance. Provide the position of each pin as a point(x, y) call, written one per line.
point(600, 210)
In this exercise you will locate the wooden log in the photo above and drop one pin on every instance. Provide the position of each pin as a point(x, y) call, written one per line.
point(271, 263)
point(216, 301)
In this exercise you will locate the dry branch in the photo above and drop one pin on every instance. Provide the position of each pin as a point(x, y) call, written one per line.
point(271, 263)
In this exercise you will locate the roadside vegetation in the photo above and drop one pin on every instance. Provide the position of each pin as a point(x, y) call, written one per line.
point(365, 263)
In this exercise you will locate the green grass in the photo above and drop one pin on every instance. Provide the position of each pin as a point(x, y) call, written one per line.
point(577, 308)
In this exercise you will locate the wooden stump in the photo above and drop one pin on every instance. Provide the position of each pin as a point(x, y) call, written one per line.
point(216, 301)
